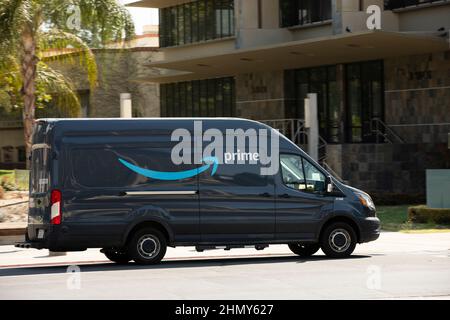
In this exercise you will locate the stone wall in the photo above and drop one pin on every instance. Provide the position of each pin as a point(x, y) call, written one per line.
point(119, 71)
point(260, 95)
point(388, 168)
point(417, 91)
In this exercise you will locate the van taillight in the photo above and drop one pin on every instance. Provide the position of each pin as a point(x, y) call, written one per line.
point(55, 200)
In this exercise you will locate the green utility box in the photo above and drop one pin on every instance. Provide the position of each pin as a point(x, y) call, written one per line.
point(438, 188)
point(22, 178)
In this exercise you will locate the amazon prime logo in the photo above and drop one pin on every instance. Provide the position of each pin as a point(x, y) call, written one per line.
point(225, 147)
point(213, 148)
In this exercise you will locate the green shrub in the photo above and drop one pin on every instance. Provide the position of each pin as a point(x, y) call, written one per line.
point(423, 214)
point(8, 184)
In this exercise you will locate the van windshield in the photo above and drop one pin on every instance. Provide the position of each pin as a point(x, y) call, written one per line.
point(39, 175)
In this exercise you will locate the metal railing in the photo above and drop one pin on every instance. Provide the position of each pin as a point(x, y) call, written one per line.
point(384, 132)
point(294, 130)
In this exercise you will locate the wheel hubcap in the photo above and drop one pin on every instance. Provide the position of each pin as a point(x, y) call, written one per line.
point(339, 240)
point(148, 246)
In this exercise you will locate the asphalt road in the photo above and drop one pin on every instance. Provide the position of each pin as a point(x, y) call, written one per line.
point(397, 266)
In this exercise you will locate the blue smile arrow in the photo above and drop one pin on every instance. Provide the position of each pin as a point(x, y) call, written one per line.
point(161, 175)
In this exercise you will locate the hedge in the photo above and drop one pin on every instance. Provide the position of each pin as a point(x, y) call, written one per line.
point(396, 199)
point(423, 214)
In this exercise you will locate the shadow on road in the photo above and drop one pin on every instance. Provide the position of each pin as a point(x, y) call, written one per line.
point(167, 264)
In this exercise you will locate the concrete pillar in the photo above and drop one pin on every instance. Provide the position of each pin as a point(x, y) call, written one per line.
point(125, 105)
point(312, 124)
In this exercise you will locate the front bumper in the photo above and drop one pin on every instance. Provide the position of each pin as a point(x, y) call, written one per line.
point(369, 229)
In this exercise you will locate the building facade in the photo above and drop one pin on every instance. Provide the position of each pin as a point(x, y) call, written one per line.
point(382, 76)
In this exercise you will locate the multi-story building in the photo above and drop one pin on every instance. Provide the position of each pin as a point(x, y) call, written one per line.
point(382, 78)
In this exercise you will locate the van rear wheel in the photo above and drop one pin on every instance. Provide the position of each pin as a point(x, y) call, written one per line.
point(147, 246)
point(117, 256)
point(338, 240)
point(304, 250)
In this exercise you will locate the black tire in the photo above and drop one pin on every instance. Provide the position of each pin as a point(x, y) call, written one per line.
point(304, 250)
point(338, 240)
point(117, 256)
point(147, 246)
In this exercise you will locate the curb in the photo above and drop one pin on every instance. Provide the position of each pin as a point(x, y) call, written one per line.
point(14, 231)
point(10, 233)
point(11, 240)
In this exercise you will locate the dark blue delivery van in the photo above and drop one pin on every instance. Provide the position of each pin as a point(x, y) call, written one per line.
point(114, 184)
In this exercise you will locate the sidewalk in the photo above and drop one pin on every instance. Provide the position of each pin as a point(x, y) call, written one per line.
point(388, 243)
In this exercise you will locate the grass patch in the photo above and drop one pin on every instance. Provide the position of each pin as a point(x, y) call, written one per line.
point(9, 177)
point(6, 173)
point(395, 218)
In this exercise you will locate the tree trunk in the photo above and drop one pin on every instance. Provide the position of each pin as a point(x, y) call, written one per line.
point(28, 70)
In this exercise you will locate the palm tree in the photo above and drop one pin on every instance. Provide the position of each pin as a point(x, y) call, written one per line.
point(30, 27)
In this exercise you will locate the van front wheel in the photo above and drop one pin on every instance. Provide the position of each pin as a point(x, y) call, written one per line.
point(304, 250)
point(117, 256)
point(147, 246)
point(338, 240)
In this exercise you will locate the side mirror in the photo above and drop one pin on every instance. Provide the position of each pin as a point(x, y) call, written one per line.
point(329, 184)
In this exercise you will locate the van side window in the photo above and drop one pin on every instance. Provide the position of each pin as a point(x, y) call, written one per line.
point(315, 180)
point(292, 171)
point(300, 174)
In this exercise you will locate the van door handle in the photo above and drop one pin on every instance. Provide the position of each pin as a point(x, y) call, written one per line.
point(265, 195)
point(284, 195)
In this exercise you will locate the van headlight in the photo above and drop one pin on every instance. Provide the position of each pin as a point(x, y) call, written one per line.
point(365, 200)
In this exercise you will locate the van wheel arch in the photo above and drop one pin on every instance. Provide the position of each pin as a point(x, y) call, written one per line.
point(149, 224)
point(343, 219)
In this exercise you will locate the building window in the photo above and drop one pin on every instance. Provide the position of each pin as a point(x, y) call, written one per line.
point(364, 99)
point(323, 81)
point(396, 4)
point(196, 21)
point(8, 154)
point(301, 12)
point(199, 98)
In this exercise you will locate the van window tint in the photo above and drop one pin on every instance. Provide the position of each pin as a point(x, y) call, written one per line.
point(315, 180)
point(292, 171)
point(100, 167)
point(300, 174)
point(40, 175)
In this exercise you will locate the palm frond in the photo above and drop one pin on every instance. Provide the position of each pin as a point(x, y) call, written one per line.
point(101, 21)
point(60, 88)
point(13, 17)
point(61, 41)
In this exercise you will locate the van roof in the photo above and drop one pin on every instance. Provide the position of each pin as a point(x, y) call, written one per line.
point(123, 124)
point(73, 121)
